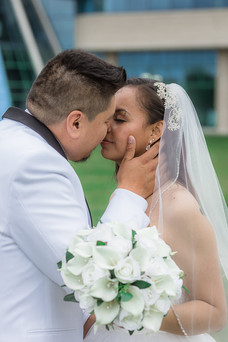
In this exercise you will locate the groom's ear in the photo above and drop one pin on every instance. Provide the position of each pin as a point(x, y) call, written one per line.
point(75, 123)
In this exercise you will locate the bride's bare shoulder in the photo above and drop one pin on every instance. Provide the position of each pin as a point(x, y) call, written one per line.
point(180, 204)
point(184, 215)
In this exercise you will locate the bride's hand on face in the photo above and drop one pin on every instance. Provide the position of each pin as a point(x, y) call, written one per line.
point(137, 174)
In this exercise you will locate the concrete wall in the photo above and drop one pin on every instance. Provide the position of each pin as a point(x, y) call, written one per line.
point(201, 29)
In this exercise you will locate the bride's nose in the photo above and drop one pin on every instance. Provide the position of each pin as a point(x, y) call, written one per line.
point(109, 126)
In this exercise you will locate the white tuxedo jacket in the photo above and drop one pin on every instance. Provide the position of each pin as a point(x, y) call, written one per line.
point(42, 206)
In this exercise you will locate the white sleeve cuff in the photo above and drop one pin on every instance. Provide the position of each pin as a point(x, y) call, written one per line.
point(126, 206)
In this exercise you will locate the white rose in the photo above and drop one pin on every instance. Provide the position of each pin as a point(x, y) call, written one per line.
point(127, 270)
point(120, 244)
point(105, 289)
point(157, 268)
point(91, 272)
point(150, 294)
point(86, 302)
point(129, 321)
point(147, 238)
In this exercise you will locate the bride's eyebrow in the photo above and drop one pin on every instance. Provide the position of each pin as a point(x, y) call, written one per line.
point(121, 111)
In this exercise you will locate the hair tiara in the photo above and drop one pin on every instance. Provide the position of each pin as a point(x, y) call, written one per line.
point(170, 102)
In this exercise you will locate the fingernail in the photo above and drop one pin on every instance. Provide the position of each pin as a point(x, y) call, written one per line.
point(130, 140)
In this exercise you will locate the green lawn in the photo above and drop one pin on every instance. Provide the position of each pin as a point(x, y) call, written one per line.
point(98, 181)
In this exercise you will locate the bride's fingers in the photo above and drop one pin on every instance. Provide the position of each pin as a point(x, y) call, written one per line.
point(130, 150)
point(88, 324)
point(150, 154)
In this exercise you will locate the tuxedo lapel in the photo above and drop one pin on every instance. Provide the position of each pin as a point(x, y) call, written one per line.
point(17, 114)
point(21, 116)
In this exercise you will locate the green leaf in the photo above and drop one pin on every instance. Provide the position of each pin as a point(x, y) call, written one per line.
point(69, 256)
point(182, 275)
point(131, 332)
point(59, 264)
point(141, 329)
point(99, 302)
point(107, 327)
point(141, 284)
point(126, 296)
point(70, 298)
point(112, 274)
point(185, 288)
point(101, 243)
point(133, 234)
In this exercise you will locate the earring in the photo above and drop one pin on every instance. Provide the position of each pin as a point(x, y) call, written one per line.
point(149, 145)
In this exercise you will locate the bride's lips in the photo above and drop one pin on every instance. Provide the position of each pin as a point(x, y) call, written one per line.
point(106, 142)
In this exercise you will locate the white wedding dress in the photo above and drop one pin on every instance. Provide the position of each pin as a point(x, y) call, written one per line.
point(186, 156)
point(121, 335)
point(184, 150)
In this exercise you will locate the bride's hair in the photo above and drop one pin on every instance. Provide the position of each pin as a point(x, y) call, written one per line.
point(148, 99)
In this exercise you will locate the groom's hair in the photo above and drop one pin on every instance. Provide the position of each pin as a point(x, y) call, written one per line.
point(74, 80)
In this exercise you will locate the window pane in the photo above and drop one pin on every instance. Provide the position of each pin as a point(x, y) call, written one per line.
point(195, 71)
point(145, 5)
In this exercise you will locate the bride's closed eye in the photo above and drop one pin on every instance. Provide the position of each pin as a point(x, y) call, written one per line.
point(119, 120)
point(120, 115)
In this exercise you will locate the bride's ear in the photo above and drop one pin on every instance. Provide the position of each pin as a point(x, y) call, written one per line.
point(157, 129)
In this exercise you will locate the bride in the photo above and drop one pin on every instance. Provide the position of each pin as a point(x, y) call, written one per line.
point(186, 205)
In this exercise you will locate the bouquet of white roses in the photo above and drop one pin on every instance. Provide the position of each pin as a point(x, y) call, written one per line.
point(126, 278)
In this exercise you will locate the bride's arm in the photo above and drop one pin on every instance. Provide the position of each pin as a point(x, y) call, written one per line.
point(190, 233)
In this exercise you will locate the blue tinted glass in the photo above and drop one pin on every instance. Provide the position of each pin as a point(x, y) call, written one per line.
point(180, 4)
point(195, 71)
point(4, 88)
point(62, 15)
point(145, 5)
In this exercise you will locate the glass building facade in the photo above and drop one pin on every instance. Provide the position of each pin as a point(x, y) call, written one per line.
point(146, 5)
point(194, 70)
point(17, 71)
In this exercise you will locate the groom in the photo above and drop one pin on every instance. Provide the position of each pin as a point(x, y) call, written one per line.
point(42, 203)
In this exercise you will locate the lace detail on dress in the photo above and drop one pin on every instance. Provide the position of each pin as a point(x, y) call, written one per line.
point(170, 99)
